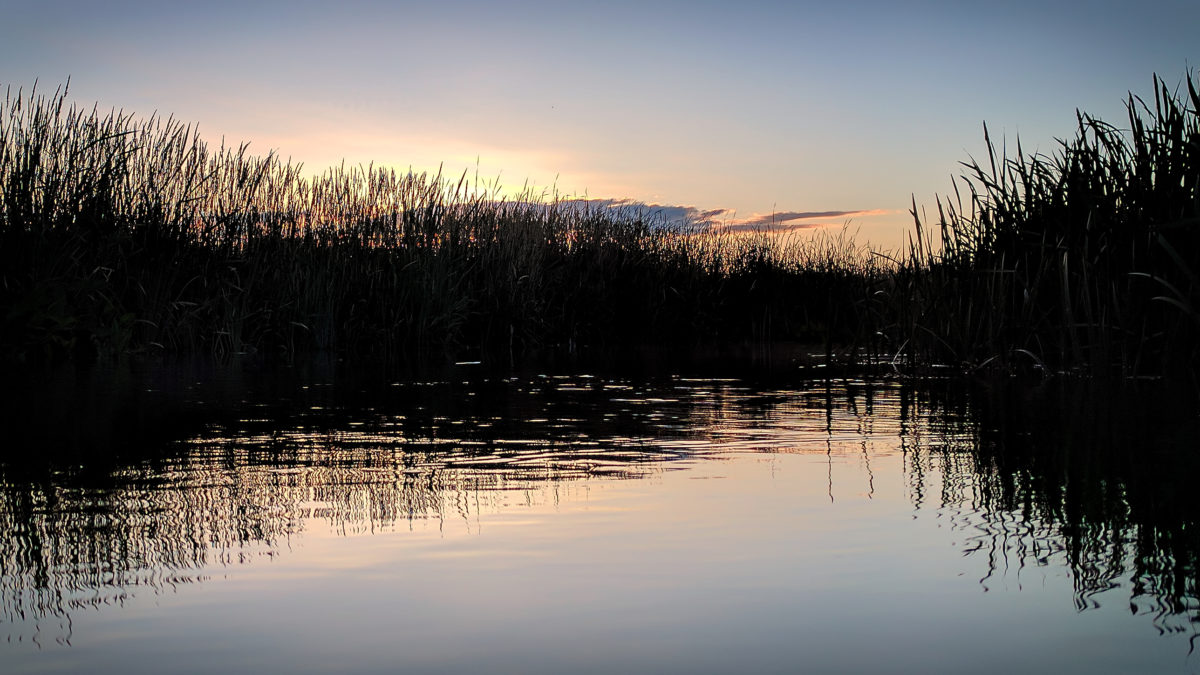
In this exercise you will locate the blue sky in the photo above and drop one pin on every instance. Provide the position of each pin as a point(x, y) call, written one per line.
point(751, 107)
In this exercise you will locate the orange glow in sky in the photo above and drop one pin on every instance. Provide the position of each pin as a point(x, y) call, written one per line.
point(748, 109)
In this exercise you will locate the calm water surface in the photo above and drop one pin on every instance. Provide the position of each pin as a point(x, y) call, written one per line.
point(588, 523)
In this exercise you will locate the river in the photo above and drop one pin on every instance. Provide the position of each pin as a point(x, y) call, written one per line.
point(215, 519)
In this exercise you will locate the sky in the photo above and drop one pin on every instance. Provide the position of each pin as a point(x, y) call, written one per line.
point(812, 114)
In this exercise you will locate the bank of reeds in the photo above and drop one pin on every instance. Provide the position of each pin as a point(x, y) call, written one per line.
point(122, 235)
point(1082, 260)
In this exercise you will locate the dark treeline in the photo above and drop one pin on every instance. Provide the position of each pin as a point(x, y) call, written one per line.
point(123, 236)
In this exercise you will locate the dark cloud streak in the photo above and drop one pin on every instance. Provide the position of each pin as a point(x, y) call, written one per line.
point(723, 219)
point(785, 216)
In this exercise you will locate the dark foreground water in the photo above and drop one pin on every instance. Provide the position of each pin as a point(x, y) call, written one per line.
point(212, 520)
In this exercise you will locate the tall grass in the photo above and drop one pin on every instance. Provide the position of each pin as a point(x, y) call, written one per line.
point(120, 235)
point(1082, 260)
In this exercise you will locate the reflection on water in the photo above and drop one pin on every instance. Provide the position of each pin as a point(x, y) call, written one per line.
point(1046, 478)
point(1097, 481)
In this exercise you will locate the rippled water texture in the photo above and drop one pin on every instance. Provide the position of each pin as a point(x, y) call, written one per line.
point(597, 523)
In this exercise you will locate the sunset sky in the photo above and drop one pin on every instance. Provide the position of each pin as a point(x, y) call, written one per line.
point(831, 113)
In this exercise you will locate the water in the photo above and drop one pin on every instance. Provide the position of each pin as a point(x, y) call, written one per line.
point(221, 521)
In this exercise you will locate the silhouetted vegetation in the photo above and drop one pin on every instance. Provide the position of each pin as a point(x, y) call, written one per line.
point(1085, 260)
point(120, 236)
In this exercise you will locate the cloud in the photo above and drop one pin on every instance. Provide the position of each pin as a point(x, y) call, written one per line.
point(664, 213)
point(800, 220)
point(724, 219)
point(785, 216)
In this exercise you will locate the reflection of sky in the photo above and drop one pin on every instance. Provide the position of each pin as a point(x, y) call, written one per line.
point(836, 527)
point(753, 107)
point(741, 564)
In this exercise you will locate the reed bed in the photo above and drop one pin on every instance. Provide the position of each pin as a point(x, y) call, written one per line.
point(1085, 260)
point(120, 235)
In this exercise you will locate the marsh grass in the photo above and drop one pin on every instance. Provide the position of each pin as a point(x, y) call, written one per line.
point(121, 235)
point(1082, 260)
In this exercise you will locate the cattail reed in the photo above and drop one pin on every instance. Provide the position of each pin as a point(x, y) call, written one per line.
point(120, 235)
point(1085, 260)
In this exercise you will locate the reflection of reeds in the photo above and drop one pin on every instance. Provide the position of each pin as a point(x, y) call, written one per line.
point(118, 234)
point(1090, 478)
point(1058, 477)
point(76, 539)
point(1086, 259)
point(74, 543)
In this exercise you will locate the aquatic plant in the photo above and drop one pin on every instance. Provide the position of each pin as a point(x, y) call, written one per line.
point(120, 235)
point(1085, 260)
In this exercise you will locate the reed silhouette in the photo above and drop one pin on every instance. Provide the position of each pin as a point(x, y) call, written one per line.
point(1083, 260)
point(120, 235)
